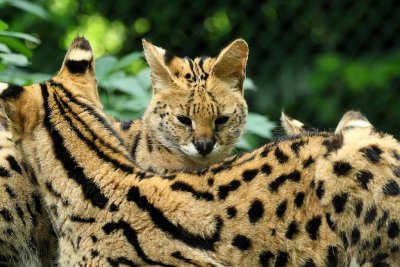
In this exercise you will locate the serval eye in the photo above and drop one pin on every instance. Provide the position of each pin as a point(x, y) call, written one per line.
point(185, 120)
point(221, 120)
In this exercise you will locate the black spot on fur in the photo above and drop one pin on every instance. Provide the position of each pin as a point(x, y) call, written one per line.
point(210, 181)
point(281, 259)
point(292, 230)
point(4, 172)
point(364, 177)
point(391, 188)
point(341, 168)
point(37, 202)
point(185, 187)
point(329, 221)
point(333, 144)
point(358, 208)
point(256, 211)
point(265, 257)
point(273, 232)
point(249, 175)
point(82, 220)
point(94, 253)
point(339, 202)
point(14, 164)
point(299, 199)
point(12, 92)
point(121, 261)
point(377, 260)
point(345, 241)
point(6, 214)
point(382, 220)
point(178, 255)
point(241, 242)
point(281, 209)
point(125, 125)
point(224, 190)
point(332, 257)
point(355, 236)
point(168, 57)
point(377, 243)
point(313, 226)
point(372, 153)
point(94, 238)
point(266, 169)
point(295, 146)
point(278, 182)
point(370, 215)
point(309, 263)
point(308, 162)
point(265, 151)
point(231, 211)
point(395, 249)
point(320, 191)
point(393, 230)
point(280, 156)
point(10, 192)
point(113, 207)
point(77, 66)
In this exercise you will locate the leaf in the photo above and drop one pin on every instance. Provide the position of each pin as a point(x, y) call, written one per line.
point(127, 84)
point(259, 125)
point(20, 35)
point(143, 78)
point(4, 48)
point(14, 59)
point(127, 60)
point(28, 7)
point(243, 143)
point(16, 45)
point(249, 85)
point(3, 25)
point(104, 66)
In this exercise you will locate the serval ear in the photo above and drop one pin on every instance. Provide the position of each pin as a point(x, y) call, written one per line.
point(21, 105)
point(292, 126)
point(352, 119)
point(230, 65)
point(158, 60)
point(78, 71)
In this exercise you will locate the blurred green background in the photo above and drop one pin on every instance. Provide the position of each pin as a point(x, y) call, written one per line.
point(314, 59)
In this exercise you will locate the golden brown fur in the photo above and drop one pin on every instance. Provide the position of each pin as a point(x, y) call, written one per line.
point(26, 237)
point(286, 203)
point(195, 117)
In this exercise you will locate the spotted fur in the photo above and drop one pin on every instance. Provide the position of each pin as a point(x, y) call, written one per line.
point(293, 202)
point(197, 112)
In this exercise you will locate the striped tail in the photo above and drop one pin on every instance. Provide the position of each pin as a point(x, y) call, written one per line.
point(352, 119)
point(79, 68)
point(79, 58)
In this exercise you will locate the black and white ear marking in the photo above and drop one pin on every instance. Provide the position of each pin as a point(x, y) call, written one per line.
point(79, 57)
point(291, 125)
point(352, 119)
